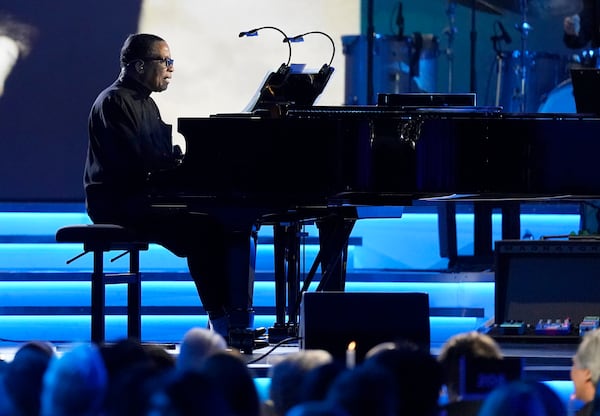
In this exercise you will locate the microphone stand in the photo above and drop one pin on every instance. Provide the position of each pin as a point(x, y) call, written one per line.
point(524, 29)
point(450, 32)
point(499, 70)
point(473, 43)
point(370, 44)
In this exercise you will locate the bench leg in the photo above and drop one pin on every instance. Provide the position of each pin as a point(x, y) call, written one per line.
point(134, 297)
point(98, 298)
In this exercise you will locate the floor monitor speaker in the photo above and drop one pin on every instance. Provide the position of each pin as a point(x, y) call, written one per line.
point(332, 320)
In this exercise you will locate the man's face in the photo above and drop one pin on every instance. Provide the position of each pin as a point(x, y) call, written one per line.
point(157, 68)
point(581, 378)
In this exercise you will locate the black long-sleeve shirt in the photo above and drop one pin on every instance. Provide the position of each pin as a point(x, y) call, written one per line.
point(127, 141)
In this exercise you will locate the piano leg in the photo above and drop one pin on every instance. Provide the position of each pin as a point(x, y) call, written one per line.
point(279, 253)
point(287, 285)
point(334, 232)
point(483, 252)
point(241, 264)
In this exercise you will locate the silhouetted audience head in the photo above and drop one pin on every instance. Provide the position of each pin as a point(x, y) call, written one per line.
point(189, 393)
point(75, 384)
point(317, 408)
point(122, 354)
point(383, 346)
point(467, 345)
point(24, 374)
point(228, 371)
point(365, 391)
point(197, 344)
point(6, 405)
point(288, 374)
point(133, 369)
point(160, 357)
point(585, 371)
point(522, 398)
point(129, 391)
point(418, 377)
point(317, 381)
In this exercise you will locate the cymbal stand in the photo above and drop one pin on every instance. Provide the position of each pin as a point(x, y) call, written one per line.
point(499, 75)
point(500, 66)
point(370, 47)
point(473, 38)
point(450, 31)
point(524, 28)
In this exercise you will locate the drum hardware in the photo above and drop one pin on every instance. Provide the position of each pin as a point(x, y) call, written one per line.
point(536, 8)
point(450, 32)
point(400, 65)
point(522, 68)
point(588, 58)
point(524, 28)
point(370, 43)
point(559, 100)
point(485, 6)
point(496, 39)
point(481, 5)
point(544, 71)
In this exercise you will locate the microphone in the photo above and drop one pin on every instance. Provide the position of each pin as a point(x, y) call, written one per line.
point(503, 33)
point(300, 38)
point(254, 32)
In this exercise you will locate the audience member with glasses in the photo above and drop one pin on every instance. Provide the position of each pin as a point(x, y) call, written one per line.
point(128, 142)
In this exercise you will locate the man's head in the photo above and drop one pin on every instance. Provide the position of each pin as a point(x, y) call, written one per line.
point(585, 371)
point(468, 345)
point(147, 59)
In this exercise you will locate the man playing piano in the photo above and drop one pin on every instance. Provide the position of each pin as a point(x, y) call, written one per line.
point(128, 141)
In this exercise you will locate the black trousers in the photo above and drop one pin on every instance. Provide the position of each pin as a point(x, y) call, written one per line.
point(220, 256)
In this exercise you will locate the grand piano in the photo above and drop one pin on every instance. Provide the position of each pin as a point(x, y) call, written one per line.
point(333, 165)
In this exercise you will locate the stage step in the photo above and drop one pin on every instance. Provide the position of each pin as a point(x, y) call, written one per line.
point(169, 300)
point(41, 297)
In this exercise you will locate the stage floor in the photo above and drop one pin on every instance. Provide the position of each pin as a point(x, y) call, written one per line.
point(540, 362)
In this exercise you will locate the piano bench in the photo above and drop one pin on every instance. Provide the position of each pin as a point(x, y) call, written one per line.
point(99, 239)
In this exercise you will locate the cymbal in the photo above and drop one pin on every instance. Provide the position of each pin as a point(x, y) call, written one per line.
point(548, 8)
point(480, 5)
point(539, 8)
point(535, 8)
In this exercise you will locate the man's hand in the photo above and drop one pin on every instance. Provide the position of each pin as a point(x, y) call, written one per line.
point(572, 25)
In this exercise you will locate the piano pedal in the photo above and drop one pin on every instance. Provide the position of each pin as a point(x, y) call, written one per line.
point(246, 339)
point(260, 332)
point(279, 333)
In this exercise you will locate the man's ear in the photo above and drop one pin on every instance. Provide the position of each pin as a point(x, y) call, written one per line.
point(139, 66)
point(588, 374)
